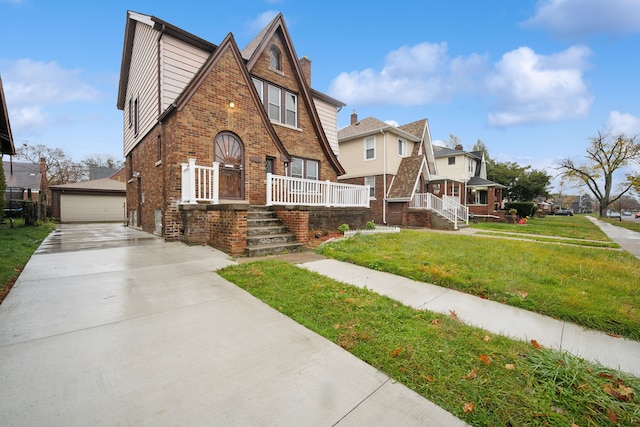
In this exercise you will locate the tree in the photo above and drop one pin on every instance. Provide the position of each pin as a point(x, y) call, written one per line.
point(480, 146)
point(59, 168)
point(454, 141)
point(605, 156)
point(522, 183)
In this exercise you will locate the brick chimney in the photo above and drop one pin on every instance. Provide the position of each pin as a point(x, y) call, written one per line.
point(305, 64)
point(354, 118)
point(459, 147)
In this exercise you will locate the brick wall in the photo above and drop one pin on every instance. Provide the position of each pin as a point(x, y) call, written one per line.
point(297, 221)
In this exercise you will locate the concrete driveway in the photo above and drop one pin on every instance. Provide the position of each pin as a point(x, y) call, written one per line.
point(111, 326)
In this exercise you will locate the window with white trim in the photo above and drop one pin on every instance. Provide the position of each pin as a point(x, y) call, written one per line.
point(370, 148)
point(452, 160)
point(274, 103)
point(371, 182)
point(402, 148)
point(304, 168)
point(281, 105)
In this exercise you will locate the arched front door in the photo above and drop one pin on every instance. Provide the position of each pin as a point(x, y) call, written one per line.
point(229, 152)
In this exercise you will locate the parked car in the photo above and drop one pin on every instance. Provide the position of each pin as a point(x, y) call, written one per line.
point(637, 214)
point(614, 214)
point(565, 212)
point(626, 213)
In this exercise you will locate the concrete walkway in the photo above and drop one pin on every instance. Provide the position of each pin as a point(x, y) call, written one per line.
point(612, 352)
point(629, 240)
point(108, 326)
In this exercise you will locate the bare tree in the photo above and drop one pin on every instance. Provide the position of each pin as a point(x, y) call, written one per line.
point(59, 168)
point(453, 142)
point(605, 156)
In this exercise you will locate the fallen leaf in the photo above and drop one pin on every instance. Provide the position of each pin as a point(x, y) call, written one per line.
point(605, 375)
point(612, 415)
point(336, 326)
point(622, 392)
point(435, 321)
point(510, 367)
point(468, 407)
point(453, 315)
point(614, 335)
point(558, 410)
point(535, 344)
point(428, 378)
point(575, 425)
point(396, 352)
point(471, 375)
point(486, 338)
point(522, 294)
point(485, 359)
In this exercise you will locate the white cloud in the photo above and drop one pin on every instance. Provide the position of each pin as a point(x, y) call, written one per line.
point(262, 20)
point(529, 88)
point(621, 123)
point(579, 18)
point(29, 82)
point(412, 75)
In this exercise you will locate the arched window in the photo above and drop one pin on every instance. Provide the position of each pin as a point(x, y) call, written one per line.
point(275, 58)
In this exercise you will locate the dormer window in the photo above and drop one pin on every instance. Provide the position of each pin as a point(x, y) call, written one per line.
point(275, 58)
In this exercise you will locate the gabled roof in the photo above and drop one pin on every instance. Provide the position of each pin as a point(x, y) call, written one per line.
point(406, 178)
point(476, 181)
point(371, 125)
point(228, 45)
point(22, 175)
point(260, 44)
point(440, 152)
point(415, 128)
point(6, 139)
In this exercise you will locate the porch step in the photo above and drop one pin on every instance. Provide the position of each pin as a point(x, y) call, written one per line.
point(266, 235)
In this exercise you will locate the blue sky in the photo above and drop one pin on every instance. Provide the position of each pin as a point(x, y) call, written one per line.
point(534, 80)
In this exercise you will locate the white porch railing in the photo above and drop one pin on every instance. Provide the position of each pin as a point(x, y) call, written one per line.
point(199, 183)
point(448, 207)
point(285, 190)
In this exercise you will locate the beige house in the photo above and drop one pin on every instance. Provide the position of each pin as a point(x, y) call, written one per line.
point(399, 166)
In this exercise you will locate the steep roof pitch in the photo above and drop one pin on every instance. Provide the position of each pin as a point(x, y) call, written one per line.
point(6, 139)
point(252, 53)
point(405, 180)
point(228, 45)
point(22, 175)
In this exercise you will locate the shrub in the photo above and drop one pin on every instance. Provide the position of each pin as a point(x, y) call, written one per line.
point(370, 225)
point(343, 228)
point(524, 209)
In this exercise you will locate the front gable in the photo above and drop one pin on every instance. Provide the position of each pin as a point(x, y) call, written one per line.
point(308, 140)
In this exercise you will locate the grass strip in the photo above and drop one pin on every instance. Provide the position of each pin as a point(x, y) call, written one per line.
point(482, 378)
point(576, 227)
point(592, 287)
point(549, 239)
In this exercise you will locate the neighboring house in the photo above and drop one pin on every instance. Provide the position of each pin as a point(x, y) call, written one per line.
point(211, 131)
point(6, 139)
point(481, 196)
point(24, 180)
point(100, 200)
point(398, 165)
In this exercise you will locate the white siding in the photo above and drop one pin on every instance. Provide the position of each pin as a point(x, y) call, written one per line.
point(143, 83)
point(457, 171)
point(91, 208)
point(180, 62)
point(329, 119)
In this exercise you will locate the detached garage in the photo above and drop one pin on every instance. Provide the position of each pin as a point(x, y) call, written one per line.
point(100, 200)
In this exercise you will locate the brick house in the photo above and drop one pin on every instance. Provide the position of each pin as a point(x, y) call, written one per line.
point(399, 166)
point(212, 133)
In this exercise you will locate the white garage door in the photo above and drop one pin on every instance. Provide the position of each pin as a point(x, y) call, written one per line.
point(91, 208)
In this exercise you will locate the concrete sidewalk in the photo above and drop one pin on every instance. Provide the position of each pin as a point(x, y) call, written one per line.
point(629, 240)
point(110, 326)
point(612, 352)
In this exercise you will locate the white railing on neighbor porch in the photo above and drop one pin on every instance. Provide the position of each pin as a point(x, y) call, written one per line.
point(285, 190)
point(447, 206)
point(199, 183)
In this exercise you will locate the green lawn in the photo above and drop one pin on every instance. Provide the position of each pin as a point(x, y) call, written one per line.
point(17, 244)
point(575, 227)
point(629, 225)
point(485, 379)
point(593, 287)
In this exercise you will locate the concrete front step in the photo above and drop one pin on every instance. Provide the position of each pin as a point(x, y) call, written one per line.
point(273, 249)
point(266, 231)
point(263, 222)
point(268, 239)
